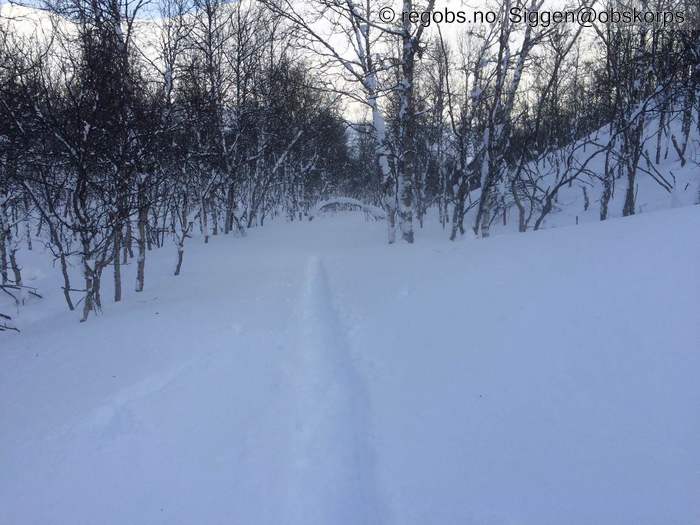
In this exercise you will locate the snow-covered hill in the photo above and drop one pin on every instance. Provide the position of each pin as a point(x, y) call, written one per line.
point(670, 183)
point(311, 374)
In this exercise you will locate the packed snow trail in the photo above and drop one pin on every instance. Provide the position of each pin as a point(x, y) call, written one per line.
point(332, 473)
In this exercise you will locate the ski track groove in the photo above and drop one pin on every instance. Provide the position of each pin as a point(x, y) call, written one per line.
point(332, 472)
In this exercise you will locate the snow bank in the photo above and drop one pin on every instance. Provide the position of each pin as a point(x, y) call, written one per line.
point(346, 203)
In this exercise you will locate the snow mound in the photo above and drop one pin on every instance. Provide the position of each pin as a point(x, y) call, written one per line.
point(346, 203)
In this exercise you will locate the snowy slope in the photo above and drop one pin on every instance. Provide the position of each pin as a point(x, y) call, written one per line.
point(311, 374)
point(570, 207)
point(651, 196)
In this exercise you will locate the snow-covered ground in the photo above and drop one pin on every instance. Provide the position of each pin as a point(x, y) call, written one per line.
point(311, 374)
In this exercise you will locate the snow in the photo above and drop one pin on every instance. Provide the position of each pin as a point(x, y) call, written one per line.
point(309, 373)
point(650, 195)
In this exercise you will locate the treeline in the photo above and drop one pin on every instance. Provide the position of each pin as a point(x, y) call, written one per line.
point(112, 145)
point(131, 124)
point(502, 116)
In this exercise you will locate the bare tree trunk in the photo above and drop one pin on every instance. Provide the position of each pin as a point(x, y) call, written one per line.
point(180, 216)
point(27, 228)
point(486, 209)
point(230, 205)
point(141, 243)
point(3, 255)
point(522, 222)
point(128, 242)
point(629, 207)
point(88, 275)
point(608, 177)
point(406, 161)
point(204, 218)
point(457, 219)
point(117, 264)
point(66, 281)
point(180, 254)
point(633, 150)
point(17, 273)
point(382, 155)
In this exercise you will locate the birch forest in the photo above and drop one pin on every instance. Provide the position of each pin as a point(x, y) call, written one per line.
point(131, 125)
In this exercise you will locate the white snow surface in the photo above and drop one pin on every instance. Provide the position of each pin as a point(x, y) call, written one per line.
point(309, 373)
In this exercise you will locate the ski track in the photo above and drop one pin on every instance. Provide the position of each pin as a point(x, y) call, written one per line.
point(332, 476)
